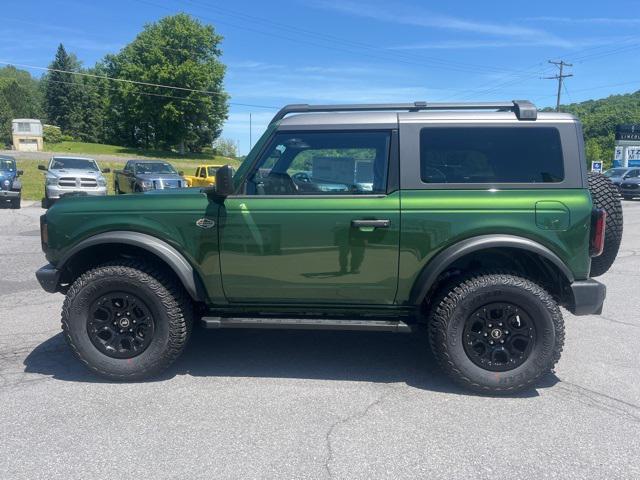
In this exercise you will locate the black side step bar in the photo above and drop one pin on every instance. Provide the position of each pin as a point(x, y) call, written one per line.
point(306, 324)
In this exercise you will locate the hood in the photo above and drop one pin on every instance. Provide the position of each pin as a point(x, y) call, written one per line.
point(157, 176)
point(7, 175)
point(631, 181)
point(72, 172)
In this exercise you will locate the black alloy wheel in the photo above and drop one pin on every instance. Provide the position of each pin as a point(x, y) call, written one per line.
point(499, 336)
point(120, 325)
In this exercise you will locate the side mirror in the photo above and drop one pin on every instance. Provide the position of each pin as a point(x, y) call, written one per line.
point(20, 172)
point(224, 181)
point(106, 170)
point(42, 167)
point(180, 172)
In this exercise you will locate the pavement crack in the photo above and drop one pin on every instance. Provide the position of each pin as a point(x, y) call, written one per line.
point(619, 321)
point(601, 401)
point(343, 421)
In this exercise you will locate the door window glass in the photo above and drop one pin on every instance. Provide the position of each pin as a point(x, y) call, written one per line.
point(323, 163)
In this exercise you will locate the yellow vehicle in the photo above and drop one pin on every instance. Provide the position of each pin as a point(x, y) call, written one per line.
point(205, 176)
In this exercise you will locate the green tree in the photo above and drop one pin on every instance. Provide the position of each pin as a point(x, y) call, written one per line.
point(20, 97)
point(177, 51)
point(61, 92)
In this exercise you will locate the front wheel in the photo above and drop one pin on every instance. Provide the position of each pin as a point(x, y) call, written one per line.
point(126, 320)
point(15, 203)
point(496, 333)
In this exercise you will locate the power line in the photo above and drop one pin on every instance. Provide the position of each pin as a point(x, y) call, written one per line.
point(560, 77)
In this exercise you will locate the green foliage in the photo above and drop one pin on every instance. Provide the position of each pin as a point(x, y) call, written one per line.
point(177, 51)
point(20, 97)
point(52, 134)
point(225, 147)
point(61, 92)
point(599, 119)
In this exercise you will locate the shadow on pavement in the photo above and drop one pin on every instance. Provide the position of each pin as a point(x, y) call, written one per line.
point(318, 355)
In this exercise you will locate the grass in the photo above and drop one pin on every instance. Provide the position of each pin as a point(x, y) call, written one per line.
point(33, 179)
point(101, 149)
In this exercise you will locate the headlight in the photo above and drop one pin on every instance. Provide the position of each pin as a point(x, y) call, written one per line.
point(51, 180)
point(6, 183)
point(102, 182)
point(147, 184)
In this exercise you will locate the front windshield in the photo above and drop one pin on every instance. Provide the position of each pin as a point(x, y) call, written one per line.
point(7, 165)
point(74, 164)
point(615, 172)
point(154, 167)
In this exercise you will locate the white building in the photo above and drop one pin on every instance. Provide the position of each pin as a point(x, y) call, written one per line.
point(27, 135)
point(627, 150)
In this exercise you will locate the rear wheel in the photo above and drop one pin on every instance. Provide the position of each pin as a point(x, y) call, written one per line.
point(605, 195)
point(126, 320)
point(496, 333)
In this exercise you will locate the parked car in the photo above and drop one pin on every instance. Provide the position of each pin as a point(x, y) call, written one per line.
point(72, 176)
point(205, 176)
point(144, 175)
point(617, 174)
point(630, 186)
point(480, 245)
point(10, 185)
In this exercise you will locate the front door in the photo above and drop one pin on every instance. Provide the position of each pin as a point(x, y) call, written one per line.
point(315, 223)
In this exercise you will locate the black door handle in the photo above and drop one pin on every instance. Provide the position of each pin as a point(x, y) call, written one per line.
point(370, 223)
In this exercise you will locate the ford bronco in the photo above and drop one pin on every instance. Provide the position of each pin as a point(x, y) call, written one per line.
point(478, 221)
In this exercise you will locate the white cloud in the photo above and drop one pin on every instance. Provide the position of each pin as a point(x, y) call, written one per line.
point(408, 15)
point(588, 20)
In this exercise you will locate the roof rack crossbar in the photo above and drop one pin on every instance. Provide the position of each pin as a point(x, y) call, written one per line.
point(524, 109)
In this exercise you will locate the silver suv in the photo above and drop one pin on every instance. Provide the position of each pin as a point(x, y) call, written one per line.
point(72, 175)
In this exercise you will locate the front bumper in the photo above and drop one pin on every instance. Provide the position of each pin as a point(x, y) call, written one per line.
point(55, 192)
point(49, 278)
point(9, 194)
point(588, 297)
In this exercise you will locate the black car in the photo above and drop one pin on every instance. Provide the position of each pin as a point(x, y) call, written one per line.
point(10, 186)
point(630, 186)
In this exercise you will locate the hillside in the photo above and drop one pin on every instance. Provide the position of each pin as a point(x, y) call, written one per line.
point(599, 119)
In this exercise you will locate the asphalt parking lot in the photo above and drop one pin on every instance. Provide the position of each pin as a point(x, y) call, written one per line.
point(283, 404)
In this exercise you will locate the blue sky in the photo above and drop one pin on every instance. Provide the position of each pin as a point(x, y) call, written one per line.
point(322, 51)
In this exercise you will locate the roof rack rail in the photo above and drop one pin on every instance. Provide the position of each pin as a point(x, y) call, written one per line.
point(524, 109)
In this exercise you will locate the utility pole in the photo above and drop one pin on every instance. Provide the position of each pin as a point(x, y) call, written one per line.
point(250, 133)
point(561, 64)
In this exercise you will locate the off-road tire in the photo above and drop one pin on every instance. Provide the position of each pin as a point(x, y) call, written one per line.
point(455, 304)
point(171, 307)
point(15, 203)
point(605, 195)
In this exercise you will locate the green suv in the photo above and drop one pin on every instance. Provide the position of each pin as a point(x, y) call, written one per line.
point(476, 220)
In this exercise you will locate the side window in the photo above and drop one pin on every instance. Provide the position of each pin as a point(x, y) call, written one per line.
point(323, 163)
point(633, 174)
point(203, 173)
point(491, 155)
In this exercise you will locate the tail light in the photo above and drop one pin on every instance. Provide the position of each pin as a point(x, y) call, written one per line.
point(598, 227)
point(44, 233)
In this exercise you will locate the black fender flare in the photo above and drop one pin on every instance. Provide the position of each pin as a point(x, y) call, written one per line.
point(172, 257)
point(438, 264)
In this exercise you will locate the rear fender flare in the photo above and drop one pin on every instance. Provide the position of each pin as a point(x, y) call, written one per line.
point(446, 257)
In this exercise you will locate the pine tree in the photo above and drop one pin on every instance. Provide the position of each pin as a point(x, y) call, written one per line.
point(61, 93)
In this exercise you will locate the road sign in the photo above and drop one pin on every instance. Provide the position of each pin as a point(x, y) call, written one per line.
point(596, 167)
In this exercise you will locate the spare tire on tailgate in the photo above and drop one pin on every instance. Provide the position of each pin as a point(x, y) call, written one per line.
point(605, 195)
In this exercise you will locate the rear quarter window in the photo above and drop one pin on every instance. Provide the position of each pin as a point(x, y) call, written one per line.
point(491, 155)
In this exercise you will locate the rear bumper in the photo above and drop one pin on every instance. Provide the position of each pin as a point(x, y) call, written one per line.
point(49, 278)
point(588, 297)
